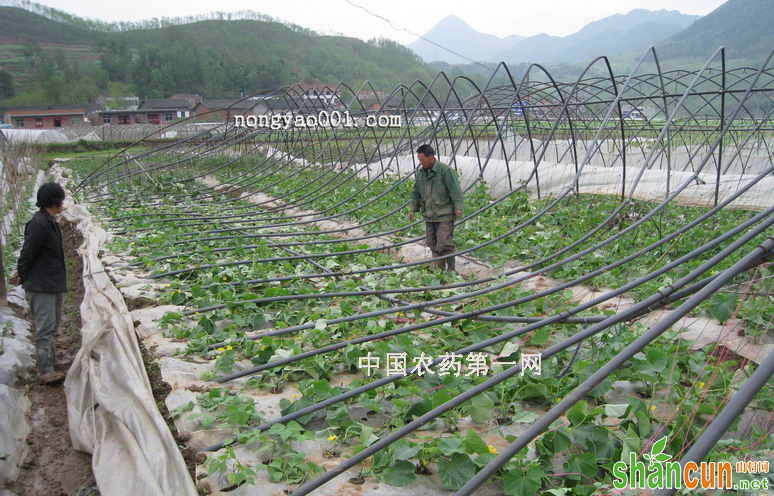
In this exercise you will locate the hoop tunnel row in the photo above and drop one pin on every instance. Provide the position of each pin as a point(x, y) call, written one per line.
point(254, 217)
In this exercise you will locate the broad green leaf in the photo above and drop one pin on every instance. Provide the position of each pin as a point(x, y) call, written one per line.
point(509, 349)
point(617, 411)
point(484, 460)
point(480, 408)
point(579, 465)
point(577, 413)
point(637, 405)
point(400, 473)
point(601, 443)
point(237, 414)
point(207, 420)
point(722, 306)
point(321, 389)
point(440, 397)
point(523, 416)
point(367, 435)
point(540, 337)
point(300, 404)
point(405, 451)
point(185, 407)
point(631, 444)
point(256, 320)
point(418, 409)
point(451, 445)
point(657, 359)
point(555, 441)
point(456, 473)
point(380, 459)
point(531, 391)
point(474, 443)
point(518, 483)
point(602, 388)
point(643, 423)
point(558, 492)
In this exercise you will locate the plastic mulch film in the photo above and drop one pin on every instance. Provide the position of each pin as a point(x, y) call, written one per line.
point(14, 405)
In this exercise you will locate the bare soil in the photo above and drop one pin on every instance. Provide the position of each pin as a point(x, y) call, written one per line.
point(52, 467)
point(161, 390)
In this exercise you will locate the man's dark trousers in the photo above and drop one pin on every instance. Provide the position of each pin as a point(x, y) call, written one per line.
point(440, 239)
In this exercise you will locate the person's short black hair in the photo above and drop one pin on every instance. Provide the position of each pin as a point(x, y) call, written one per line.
point(50, 195)
point(426, 150)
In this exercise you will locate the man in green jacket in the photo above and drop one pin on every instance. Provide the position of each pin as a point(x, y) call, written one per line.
point(438, 196)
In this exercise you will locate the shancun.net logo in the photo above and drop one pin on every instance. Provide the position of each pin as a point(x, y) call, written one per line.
point(660, 473)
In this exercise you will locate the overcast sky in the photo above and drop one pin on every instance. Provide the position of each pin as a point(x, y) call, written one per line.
point(498, 17)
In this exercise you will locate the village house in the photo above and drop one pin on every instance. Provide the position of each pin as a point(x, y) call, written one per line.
point(47, 118)
point(149, 111)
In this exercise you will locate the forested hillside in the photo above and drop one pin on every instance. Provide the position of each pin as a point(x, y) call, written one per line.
point(744, 27)
point(56, 62)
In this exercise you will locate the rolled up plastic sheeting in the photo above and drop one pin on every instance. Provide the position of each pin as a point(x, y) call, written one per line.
point(14, 430)
point(111, 410)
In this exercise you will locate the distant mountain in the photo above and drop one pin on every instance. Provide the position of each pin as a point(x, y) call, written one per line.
point(456, 35)
point(744, 27)
point(617, 34)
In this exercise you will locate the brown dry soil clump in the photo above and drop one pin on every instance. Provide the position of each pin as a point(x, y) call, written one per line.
point(52, 466)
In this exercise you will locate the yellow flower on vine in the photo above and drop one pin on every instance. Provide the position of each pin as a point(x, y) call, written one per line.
point(229, 347)
point(331, 438)
point(263, 347)
point(221, 349)
point(492, 450)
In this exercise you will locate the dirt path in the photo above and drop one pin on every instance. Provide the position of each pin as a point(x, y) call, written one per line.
point(52, 467)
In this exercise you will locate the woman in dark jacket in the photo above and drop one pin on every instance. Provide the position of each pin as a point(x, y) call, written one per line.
point(41, 268)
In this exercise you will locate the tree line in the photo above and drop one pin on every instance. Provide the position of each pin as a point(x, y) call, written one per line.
point(213, 58)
